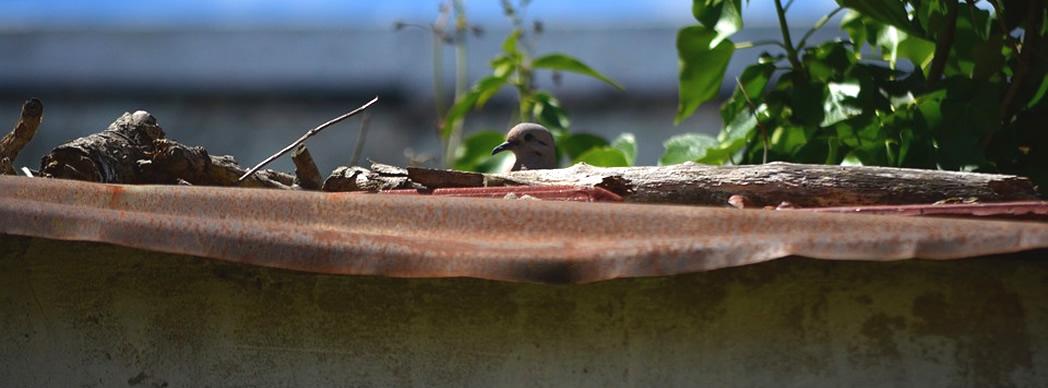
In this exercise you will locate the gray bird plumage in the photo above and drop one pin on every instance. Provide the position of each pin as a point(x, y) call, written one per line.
point(533, 146)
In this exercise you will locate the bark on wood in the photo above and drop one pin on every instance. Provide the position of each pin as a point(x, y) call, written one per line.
point(25, 129)
point(380, 177)
point(173, 161)
point(134, 150)
point(760, 185)
point(307, 176)
point(109, 156)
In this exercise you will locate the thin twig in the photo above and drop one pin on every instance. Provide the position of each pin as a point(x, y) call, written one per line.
point(756, 43)
point(308, 134)
point(818, 25)
point(361, 138)
point(760, 126)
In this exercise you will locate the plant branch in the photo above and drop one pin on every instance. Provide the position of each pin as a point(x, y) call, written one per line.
point(818, 25)
point(1023, 52)
point(791, 52)
point(756, 43)
point(760, 126)
point(943, 45)
point(307, 135)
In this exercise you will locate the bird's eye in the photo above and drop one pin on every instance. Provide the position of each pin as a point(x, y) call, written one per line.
point(528, 137)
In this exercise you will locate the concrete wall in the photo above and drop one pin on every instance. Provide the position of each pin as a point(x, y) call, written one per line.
point(85, 314)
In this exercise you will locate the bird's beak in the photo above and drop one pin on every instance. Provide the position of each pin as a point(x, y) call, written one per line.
point(501, 147)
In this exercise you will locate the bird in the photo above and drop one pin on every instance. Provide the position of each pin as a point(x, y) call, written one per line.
point(533, 146)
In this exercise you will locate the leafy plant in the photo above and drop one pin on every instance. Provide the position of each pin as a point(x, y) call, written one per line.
point(952, 84)
point(515, 68)
point(449, 29)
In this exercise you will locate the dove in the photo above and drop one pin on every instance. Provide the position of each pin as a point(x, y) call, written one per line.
point(533, 146)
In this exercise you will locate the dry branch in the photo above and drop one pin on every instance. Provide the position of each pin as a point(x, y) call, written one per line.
point(25, 129)
point(761, 185)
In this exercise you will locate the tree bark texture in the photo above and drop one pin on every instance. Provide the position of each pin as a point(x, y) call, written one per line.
point(695, 184)
point(134, 149)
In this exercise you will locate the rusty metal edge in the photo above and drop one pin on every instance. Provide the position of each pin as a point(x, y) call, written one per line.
point(1023, 209)
point(528, 241)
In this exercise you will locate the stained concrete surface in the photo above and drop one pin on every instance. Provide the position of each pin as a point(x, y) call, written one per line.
point(87, 314)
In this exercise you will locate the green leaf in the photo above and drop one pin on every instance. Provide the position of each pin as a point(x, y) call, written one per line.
point(788, 140)
point(839, 102)
point(626, 143)
point(474, 154)
point(722, 16)
point(686, 147)
point(474, 99)
point(563, 62)
point(502, 66)
point(806, 101)
point(547, 111)
point(854, 25)
point(604, 157)
point(701, 68)
point(509, 46)
point(576, 144)
point(753, 79)
point(888, 40)
point(917, 50)
point(890, 12)
point(1039, 94)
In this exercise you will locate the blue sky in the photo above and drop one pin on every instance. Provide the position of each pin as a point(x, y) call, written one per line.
point(31, 14)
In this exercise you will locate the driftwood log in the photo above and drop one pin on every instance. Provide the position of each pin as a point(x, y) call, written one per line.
point(25, 129)
point(695, 184)
point(134, 149)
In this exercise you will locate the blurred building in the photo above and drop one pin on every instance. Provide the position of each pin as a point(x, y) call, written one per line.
point(247, 82)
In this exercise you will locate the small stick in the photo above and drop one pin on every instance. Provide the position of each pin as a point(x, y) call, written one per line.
point(753, 110)
point(308, 134)
point(361, 137)
point(305, 169)
point(27, 172)
point(25, 128)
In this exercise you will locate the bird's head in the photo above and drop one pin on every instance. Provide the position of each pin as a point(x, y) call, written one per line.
point(533, 146)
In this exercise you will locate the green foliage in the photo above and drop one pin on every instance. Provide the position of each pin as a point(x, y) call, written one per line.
point(702, 67)
point(514, 67)
point(971, 97)
point(474, 154)
point(622, 152)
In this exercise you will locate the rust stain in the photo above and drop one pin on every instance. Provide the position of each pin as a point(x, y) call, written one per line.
point(433, 236)
point(1034, 210)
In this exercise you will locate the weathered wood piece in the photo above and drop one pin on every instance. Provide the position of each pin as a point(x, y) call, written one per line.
point(761, 185)
point(134, 149)
point(307, 176)
point(380, 177)
point(173, 161)
point(24, 130)
point(109, 156)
